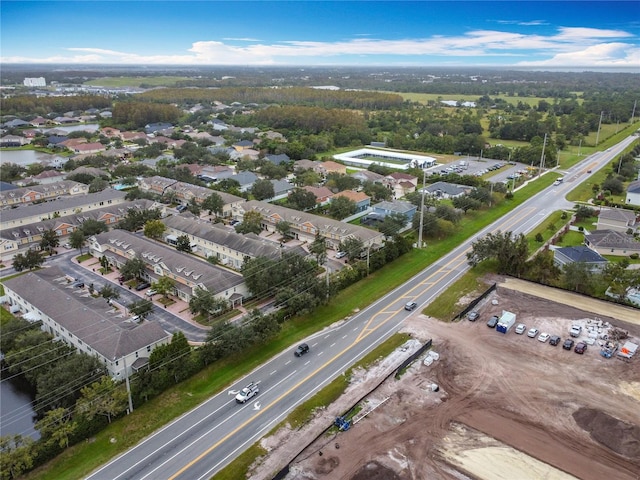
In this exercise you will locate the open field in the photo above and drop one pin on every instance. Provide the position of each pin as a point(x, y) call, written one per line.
point(426, 97)
point(154, 81)
point(508, 406)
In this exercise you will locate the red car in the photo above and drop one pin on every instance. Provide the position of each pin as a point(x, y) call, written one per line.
point(581, 347)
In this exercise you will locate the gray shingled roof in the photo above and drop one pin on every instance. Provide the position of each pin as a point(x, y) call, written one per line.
point(249, 245)
point(327, 226)
point(90, 319)
point(62, 186)
point(119, 210)
point(63, 203)
point(581, 253)
point(612, 239)
point(187, 267)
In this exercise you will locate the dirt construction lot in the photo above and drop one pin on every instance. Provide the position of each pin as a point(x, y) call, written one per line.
point(508, 406)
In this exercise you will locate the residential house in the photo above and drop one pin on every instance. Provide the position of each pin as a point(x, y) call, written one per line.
point(301, 165)
point(305, 226)
point(36, 193)
point(111, 132)
point(361, 199)
point(130, 136)
point(322, 194)
point(612, 242)
point(87, 323)
point(633, 193)
point(385, 208)
point(39, 122)
point(243, 154)
point(14, 141)
point(400, 183)
point(579, 254)
point(446, 190)
point(242, 145)
point(47, 177)
point(89, 148)
point(157, 127)
point(15, 123)
point(245, 178)
point(330, 166)
point(280, 159)
point(368, 176)
point(617, 219)
point(188, 272)
point(281, 188)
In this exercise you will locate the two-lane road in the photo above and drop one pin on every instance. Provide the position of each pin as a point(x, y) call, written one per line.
point(204, 440)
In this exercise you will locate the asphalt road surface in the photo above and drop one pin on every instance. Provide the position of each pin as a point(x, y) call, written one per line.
point(204, 440)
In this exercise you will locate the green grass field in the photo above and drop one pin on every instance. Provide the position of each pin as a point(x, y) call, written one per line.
point(426, 97)
point(160, 81)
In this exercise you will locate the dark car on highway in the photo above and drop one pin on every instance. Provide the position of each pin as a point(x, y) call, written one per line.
point(301, 350)
point(568, 344)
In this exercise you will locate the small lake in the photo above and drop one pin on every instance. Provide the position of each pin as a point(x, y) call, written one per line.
point(26, 157)
point(16, 411)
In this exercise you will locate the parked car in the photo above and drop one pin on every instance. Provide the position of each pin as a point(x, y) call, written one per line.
point(493, 321)
point(341, 254)
point(301, 350)
point(247, 392)
point(410, 306)
point(67, 246)
point(554, 340)
point(181, 208)
point(580, 348)
point(151, 293)
point(473, 316)
point(568, 344)
point(533, 332)
point(78, 284)
point(521, 328)
point(543, 337)
point(142, 286)
point(575, 330)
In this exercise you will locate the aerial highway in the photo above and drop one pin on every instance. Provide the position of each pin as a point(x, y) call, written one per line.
point(204, 440)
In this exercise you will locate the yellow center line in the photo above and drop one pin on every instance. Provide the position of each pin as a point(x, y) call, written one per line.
point(366, 331)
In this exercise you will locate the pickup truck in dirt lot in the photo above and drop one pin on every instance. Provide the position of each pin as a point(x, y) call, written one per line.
point(575, 330)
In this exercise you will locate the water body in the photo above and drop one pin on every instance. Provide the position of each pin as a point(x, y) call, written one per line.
point(16, 411)
point(26, 157)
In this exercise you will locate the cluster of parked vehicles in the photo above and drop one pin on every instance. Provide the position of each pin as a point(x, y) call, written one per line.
point(543, 337)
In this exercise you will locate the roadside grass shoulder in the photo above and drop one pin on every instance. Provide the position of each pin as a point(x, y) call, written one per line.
point(554, 219)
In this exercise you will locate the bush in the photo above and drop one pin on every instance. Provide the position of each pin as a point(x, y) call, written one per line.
point(581, 229)
point(634, 256)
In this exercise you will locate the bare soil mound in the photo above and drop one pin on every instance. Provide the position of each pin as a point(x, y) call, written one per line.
point(375, 471)
point(621, 437)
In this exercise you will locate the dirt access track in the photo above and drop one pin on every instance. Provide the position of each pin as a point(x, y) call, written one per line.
point(508, 406)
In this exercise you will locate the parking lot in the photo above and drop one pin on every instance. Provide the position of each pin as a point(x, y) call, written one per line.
point(502, 171)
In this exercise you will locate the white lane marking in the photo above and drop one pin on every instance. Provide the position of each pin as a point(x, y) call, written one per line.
point(287, 363)
point(332, 344)
point(307, 362)
point(273, 372)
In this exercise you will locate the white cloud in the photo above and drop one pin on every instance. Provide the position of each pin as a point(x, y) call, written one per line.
point(602, 55)
point(240, 39)
point(567, 46)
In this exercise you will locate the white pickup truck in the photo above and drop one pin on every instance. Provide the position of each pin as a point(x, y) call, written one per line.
point(575, 330)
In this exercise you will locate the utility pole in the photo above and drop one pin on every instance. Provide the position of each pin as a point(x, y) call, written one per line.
point(424, 181)
point(579, 147)
point(633, 114)
point(126, 381)
point(544, 145)
point(599, 124)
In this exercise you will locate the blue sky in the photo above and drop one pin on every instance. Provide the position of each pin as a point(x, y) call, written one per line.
point(537, 34)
